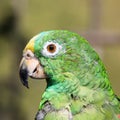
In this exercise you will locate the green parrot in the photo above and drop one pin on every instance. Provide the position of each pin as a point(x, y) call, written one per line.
point(78, 86)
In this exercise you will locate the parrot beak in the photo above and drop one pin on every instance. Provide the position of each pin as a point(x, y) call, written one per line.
point(30, 66)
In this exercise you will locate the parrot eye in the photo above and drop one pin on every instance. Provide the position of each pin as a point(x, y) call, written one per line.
point(51, 49)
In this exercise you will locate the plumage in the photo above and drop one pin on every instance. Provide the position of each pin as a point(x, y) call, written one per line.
point(78, 86)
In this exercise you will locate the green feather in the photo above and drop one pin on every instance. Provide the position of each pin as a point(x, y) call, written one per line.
point(78, 86)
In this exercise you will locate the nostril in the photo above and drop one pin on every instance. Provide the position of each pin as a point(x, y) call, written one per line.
point(28, 55)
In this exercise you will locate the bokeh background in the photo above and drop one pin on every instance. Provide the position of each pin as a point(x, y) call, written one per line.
point(97, 20)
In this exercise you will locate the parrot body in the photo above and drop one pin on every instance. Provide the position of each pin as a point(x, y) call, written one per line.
point(78, 86)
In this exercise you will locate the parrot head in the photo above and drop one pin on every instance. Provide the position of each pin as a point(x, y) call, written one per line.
point(77, 81)
point(51, 54)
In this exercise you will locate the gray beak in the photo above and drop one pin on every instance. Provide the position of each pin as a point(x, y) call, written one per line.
point(30, 67)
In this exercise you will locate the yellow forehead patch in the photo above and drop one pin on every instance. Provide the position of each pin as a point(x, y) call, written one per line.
point(30, 45)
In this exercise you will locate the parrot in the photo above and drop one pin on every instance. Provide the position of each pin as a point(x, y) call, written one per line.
point(78, 85)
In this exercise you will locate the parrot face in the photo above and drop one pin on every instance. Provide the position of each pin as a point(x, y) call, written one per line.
point(50, 54)
point(42, 51)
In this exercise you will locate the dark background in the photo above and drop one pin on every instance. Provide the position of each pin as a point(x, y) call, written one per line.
point(97, 20)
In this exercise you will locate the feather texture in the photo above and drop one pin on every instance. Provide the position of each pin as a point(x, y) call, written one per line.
point(78, 86)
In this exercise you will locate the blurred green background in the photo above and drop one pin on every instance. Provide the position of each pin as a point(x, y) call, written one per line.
point(97, 20)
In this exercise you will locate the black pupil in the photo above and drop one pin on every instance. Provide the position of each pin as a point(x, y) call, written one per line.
point(51, 48)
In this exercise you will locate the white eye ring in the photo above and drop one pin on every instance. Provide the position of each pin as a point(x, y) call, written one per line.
point(51, 49)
